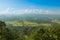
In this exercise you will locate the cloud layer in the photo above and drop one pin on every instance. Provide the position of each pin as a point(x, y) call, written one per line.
point(26, 11)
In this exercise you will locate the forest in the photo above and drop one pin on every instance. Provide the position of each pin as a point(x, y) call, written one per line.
point(30, 29)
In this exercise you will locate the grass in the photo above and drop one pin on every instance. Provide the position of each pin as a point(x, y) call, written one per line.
point(26, 23)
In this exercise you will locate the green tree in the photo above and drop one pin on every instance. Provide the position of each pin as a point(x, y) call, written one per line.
point(5, 33)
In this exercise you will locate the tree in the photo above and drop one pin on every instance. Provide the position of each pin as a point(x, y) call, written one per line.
point(5, 33)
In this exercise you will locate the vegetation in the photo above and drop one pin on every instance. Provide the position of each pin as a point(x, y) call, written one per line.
point(30, 28)
point(5, 33)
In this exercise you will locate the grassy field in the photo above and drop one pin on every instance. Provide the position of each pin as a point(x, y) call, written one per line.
point(26, 23)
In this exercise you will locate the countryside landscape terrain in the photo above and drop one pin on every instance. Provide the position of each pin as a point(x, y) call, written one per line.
point(31, 27)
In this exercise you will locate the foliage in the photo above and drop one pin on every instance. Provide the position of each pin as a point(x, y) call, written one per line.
point(43, 32)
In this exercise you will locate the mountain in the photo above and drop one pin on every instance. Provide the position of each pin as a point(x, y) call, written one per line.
point(28, 16)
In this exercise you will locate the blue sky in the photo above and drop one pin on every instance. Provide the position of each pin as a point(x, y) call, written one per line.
point(53, 5)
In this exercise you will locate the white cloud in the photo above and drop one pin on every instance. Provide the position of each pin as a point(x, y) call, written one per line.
point(23, 11)
point(47, 12)
point(7, 11)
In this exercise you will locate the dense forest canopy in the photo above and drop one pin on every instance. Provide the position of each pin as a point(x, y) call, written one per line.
point(30, 29)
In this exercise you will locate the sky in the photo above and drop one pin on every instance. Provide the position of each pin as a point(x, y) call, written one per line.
point(30, 6)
